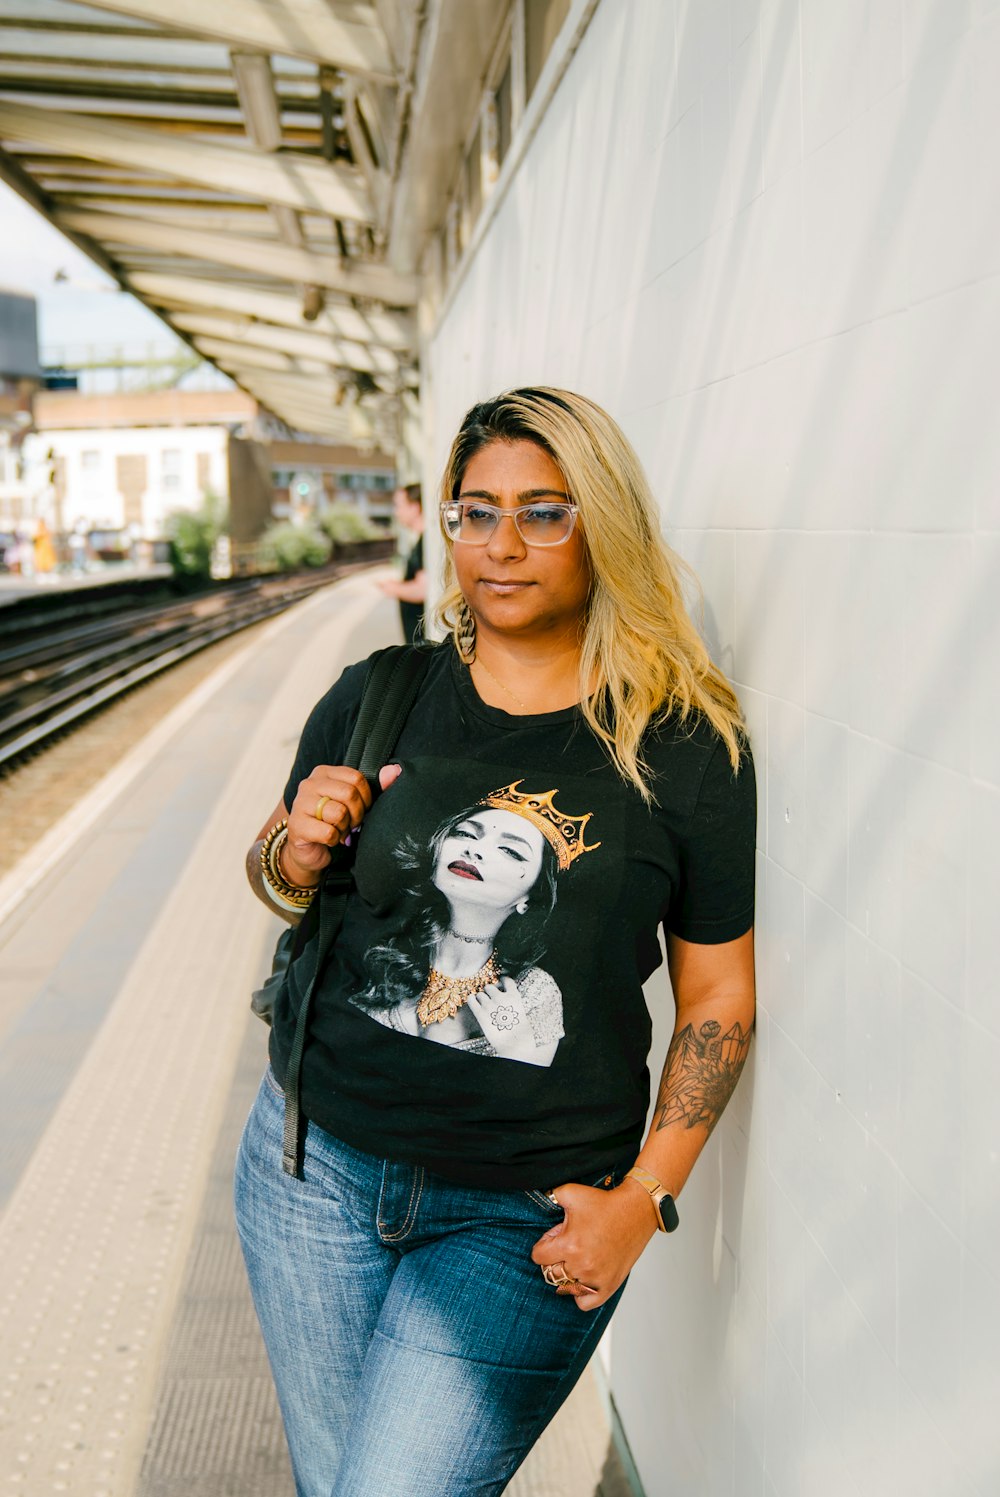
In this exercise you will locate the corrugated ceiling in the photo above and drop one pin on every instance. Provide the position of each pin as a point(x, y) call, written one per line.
point(233, 163)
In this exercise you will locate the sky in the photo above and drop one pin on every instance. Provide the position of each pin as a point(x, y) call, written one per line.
point(87, 309)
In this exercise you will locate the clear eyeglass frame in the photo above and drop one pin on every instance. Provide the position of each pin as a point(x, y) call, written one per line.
point(456, 511)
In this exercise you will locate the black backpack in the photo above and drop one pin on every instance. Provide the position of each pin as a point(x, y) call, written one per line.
point(391, 687)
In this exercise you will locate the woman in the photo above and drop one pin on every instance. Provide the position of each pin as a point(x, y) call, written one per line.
point(421, 1288)
point(468, 977)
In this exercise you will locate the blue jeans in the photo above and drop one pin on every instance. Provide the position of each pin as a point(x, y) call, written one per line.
point(416, 1349)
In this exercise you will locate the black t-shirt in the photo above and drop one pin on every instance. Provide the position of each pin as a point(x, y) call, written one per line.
point(510, 852)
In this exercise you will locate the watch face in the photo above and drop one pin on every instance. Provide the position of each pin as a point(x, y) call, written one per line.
point(668, 1213)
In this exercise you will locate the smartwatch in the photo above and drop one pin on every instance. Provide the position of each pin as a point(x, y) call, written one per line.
point(663, 1202)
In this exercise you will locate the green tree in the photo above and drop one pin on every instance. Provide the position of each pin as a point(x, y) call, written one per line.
point(287, 547)
point(192, 535)
point(345, 526)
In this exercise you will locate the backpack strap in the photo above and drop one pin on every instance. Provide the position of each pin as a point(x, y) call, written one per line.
point(390, 687)
point(393, 680)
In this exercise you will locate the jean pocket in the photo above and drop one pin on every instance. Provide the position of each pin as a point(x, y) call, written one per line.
point(541, 1198)
point(271, 1082)
point(609, 1179)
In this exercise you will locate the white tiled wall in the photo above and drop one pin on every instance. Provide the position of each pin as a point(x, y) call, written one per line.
point(766, 235)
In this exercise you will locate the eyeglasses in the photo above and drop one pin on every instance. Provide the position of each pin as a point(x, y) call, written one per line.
point(472, 521)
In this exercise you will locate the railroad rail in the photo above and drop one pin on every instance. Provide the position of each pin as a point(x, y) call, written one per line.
point(54, 672)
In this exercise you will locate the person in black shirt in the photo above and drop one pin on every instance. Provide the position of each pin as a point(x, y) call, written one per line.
point(573, 779)
point(411, 588)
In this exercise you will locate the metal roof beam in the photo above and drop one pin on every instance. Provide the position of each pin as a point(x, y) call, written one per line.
point(288, 341)
point(374, 171)
point(258, 100)
point(280, 177)
point(330, 425)
point(61, 14)
point(349, 278)
point(300, 28)
point(308, 389)
point(297, 402)
point(312, 388)
point(392, 330)
point(221, 351)
point(82, 84)
point(237, 357)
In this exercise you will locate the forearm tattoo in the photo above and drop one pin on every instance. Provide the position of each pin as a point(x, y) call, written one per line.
point(701, 1074)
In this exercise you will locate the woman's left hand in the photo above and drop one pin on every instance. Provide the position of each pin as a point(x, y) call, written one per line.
point(598, 1241)
point(502, 1016)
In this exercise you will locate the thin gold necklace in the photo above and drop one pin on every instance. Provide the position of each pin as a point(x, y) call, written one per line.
point(514, 698)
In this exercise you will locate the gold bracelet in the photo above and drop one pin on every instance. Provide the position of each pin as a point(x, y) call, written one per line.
point(279, 873)
point(295, 894)
point(280, 903)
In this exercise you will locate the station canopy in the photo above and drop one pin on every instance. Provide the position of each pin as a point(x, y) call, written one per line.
point(261, 173)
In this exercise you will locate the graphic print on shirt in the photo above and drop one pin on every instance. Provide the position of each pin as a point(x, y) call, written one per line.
point(469, 971)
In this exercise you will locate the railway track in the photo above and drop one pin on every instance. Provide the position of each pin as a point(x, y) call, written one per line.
point(54, 672)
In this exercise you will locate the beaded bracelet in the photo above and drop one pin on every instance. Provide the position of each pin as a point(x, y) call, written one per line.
point(280, 901)
point(293, 896)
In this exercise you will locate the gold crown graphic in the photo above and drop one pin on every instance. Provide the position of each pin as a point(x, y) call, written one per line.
point(564, 834)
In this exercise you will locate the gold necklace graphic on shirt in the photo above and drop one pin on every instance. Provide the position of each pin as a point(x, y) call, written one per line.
point(444, 996)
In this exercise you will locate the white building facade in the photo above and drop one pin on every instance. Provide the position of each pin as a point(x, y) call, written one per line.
point(765, 234)
point(124, 462)
point(176, 468)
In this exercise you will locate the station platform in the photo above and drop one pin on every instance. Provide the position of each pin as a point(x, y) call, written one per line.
point(13, 586)
point(129, 943)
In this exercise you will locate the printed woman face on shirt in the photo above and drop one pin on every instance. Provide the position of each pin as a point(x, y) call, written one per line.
point(491, 859)
point(462, 969)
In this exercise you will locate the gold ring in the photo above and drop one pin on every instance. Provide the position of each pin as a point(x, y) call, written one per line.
point(318, 813)
point(552, 1275)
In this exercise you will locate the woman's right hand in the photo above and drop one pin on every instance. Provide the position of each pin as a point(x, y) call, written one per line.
point(342, 796)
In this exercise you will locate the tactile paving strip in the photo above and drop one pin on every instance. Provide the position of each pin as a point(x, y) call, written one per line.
point(216, 1429)
point(217, 1436)
point(97, 1232)
point(575, 1456)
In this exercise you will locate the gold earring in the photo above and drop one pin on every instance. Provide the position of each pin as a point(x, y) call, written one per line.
point(466, 633)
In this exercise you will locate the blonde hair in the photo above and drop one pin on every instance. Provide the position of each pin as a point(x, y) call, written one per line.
point(640, 648)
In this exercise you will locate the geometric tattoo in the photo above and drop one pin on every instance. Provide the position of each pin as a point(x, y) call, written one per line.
point(701, 1074)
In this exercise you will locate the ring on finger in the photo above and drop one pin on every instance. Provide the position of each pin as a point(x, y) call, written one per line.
point(555, 1274)
point(577, 1285)
point(318, 813)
